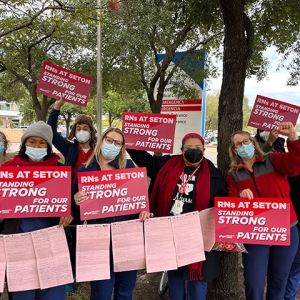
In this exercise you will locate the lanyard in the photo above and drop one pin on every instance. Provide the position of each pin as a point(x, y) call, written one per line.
point(182, 187)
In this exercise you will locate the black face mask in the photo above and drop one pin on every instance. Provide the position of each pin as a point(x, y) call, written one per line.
point(193, 155)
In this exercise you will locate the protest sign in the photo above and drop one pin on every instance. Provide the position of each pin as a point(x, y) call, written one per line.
point(57, 82)
point(264, 221)
point(113, 193)
point(28, 192)
point(149, 132)
point(268, 113)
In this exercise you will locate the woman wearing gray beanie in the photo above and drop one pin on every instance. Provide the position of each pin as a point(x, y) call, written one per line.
point(36, 150)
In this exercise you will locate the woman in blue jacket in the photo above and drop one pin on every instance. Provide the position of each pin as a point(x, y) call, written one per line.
point(109, 154)
point(76, 151)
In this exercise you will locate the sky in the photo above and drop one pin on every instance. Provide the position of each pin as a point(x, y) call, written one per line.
point(274, 87)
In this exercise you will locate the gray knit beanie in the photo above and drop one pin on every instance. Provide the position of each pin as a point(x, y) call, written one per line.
point(39, 129)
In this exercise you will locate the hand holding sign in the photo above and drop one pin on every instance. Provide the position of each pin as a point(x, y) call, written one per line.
point(287, 128)
point(247, 193)
point(59, 103)
point(273, 136)
point(80, 196)
point(144, 215)
point(65, 221)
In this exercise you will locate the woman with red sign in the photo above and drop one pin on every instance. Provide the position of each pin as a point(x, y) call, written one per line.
point(35, 151)
point(76, 151)
point(254, 174)
point(3, 148)
point(181, 184)
point(109, 154)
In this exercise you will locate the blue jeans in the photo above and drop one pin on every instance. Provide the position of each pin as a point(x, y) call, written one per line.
point(196, 290)
point(122, 283)
point(57, 293)
point(276, 261)
point(292, 286)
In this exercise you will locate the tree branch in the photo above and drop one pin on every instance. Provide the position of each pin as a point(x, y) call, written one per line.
point(36, 15)
point(250, 36)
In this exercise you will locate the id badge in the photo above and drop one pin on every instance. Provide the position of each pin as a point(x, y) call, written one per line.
point(177, 208)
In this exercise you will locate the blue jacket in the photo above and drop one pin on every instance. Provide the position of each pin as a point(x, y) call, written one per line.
point(67, 148)
point(94, 166)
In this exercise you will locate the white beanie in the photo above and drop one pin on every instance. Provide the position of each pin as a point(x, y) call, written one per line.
point(39, 129)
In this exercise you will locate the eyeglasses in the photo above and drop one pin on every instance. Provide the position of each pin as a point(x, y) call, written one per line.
point(189, 148)
point(238, 145)
point(116, 142)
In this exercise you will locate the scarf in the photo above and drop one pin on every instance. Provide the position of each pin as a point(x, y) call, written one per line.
point(81, 160)
point(161, 196)
point(18, 161)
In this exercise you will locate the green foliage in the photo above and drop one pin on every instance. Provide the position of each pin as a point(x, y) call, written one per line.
point(114, 104)
point(147, 28)
point(246, 114)
point(211, 119)
point(57, 36)
point(27, 111)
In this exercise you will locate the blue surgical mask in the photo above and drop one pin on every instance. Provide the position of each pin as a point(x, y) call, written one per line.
point(36, 154)
point(110, 151)
point(1, 148)
point(246, 151)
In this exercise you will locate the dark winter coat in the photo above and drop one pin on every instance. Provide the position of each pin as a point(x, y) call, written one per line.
point(211, 266)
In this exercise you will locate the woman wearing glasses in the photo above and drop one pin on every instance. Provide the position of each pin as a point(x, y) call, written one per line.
point(109, 154)
point(181, 184)
point(254, 174)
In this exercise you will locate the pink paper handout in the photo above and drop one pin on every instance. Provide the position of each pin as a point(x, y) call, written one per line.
point(53, 259)
point(2, 263)
point(207, 220)
point(22, 274)
point(188, 238)
point(159, 244)
point(92, 252)
point(128, 246)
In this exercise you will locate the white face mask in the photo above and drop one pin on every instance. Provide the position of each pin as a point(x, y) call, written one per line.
point(83, 136)
point(264, 135)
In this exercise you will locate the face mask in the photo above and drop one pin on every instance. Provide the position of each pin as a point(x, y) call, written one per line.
point(36, 154)
point(193, 155)
point(246, 151)
point(83, 136)
point(264, 135)
point(110, 151)
point(1, 148)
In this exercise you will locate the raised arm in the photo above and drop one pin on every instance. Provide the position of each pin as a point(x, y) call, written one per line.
point(151, 162)
point(60, 143)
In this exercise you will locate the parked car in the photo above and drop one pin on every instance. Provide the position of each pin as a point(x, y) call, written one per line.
point(24, 127)
point(61, 129)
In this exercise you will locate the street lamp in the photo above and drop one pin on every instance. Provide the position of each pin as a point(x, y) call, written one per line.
point(99, 76)
point(113, 5)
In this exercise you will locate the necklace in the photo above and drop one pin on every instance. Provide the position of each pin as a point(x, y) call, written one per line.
point(182, 187)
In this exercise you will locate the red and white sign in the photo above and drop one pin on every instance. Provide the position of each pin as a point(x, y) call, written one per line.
point(28, 192)
point(268, 113)
point(264, 221)
point(181, 105)
point(149, 132)
point(57, 82)
point(113, 193)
